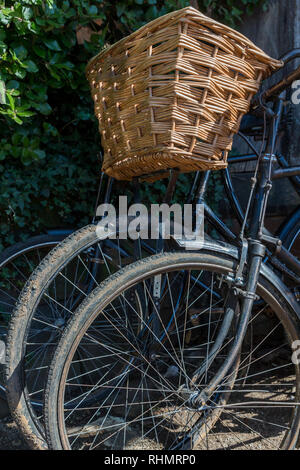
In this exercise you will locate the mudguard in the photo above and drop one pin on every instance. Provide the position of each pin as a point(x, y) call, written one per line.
point(233, 252)
point(224, 248)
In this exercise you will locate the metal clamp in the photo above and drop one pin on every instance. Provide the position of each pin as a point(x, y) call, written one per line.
point(245, 294)
point(275, 242)
point(243, 259)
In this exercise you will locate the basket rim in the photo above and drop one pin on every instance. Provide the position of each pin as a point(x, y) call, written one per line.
point(273, 64)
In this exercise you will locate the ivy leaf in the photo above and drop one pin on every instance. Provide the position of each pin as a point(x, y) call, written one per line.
point(3, 48)
point(43, 108)
point(26, 142)
point(27, 13)
point(21, 52)
point(120, 9)
point(45, 192)
point(13, 85)
point(92, 10)
point(39, 153)
point(52, 44)
point(152, 12)
point(40, 51)
point(54, 75)
point(236, 11)
point(40, 21)
point(50, 130)
point(20, 73)
point(55, 58)
point(16, 138)
point(84, 114)
point(65, 5)
point(33, 27)
point(31, 66)
point(65, 65)
point(14, 92)
point(4, 18)
point(26, 159)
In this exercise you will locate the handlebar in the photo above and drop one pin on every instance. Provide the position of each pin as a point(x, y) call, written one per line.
point(287, 81)
point(277, 89)
point(291, 55)
point(282, 85)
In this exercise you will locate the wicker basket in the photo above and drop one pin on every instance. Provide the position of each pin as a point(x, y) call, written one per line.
point(173, 93)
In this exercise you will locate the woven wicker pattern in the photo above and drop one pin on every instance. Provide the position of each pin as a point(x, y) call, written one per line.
point(172, 94)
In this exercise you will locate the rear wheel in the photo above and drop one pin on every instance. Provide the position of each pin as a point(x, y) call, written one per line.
point(48, 300)
point(130, 366)
point(16, 265)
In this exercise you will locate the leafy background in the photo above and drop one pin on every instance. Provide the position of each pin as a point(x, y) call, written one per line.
point(50, 147)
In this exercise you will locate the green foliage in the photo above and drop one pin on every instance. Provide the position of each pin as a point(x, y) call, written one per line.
point(49, 136)
point(231, 11)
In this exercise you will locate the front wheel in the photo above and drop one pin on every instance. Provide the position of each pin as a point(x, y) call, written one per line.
point(142, 347)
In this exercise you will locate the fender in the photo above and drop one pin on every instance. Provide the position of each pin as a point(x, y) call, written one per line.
point(225, 249)
point(233, 252)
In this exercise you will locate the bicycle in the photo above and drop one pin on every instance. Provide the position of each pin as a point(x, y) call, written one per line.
point(96, 259)
point(145, 388)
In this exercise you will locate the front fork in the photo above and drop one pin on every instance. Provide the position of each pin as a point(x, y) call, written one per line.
point(246, 296)
point(253, 252)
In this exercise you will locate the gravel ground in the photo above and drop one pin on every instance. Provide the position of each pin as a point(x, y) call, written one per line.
point(227, 432)
point(10, 438)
